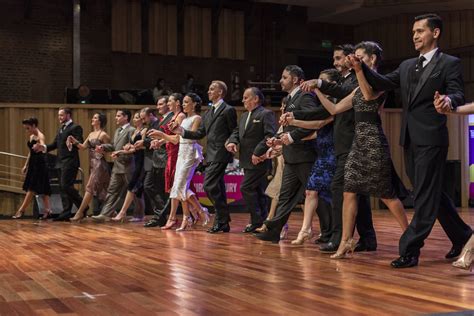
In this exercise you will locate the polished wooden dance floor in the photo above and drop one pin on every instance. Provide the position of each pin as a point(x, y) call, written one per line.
point(124, 269)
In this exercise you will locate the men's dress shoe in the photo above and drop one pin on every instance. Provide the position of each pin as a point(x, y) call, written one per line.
point(330, 247)
point(364, 245)
point(219, 227)
point(63, 217)
point(405, 262)
point(156, 221)
point(321, 240)
point(270, 235)
point(250, 228)
point(100, 218)
point(454, 252)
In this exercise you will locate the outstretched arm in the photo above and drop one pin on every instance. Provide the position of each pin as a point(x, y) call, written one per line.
point(342, 106)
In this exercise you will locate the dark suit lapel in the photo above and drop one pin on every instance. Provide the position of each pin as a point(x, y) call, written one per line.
point(252, 118)
point(407, 81)
point(426, 74)
point(216, 114)
point(242, 124)
point(292, 105)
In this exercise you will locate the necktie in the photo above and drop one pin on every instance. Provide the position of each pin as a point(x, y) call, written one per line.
point(419, 64)
point(247, 121)
point(288, 100)
point(63, 127)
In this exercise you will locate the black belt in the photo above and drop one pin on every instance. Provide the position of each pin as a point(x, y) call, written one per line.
point(369, 117)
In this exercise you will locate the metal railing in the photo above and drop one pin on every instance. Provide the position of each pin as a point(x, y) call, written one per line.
point(12, 178)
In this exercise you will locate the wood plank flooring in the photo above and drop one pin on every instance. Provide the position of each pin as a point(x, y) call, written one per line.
point(49, 268)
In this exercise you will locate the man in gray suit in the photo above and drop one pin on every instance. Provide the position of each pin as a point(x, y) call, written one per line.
point(123, 165)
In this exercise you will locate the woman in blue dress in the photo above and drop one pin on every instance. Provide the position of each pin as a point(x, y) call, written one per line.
point(319, 181)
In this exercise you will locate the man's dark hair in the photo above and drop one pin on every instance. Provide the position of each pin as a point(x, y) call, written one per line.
point(127, 113)
point(295, 71)
point(434, 21)
point(166, 97)
point(32, 121)
point(371, 48)
point(66, 110)
point(258, 93)
point(332, 73)
point(149, 111)
point(347, 49)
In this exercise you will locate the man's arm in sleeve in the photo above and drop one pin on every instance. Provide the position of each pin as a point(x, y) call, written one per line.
point(455, 84)
point(269, 130)
point(308, 103)
point(380, 82)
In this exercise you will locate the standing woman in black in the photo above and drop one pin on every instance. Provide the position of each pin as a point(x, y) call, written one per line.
point(36, 170)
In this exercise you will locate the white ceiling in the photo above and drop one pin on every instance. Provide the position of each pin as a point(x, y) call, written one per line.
point(358, 11)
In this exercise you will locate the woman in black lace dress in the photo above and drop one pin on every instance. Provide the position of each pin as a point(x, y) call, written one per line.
point(369, 168)
point(36, 170)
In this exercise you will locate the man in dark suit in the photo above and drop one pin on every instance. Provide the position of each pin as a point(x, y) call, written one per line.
point(67, 161)
point(255, 127)
point(217, 124)
point(424, 136)
point(299, 155)
point(155, 164)
point(343, 136)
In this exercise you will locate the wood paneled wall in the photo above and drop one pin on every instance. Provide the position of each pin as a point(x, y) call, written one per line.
point(126, 26)
point(231, 35)
point(15, 138)
point(197, 31)
point(163, 29)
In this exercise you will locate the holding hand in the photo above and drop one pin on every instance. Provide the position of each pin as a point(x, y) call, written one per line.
point(287, 118)
point(138, 145)
point(156, 143)
point(256, 159)
point(442, 103)
point(155, 134)
point(72, 140)
point(99, 149)
point(231, 147)
point(353, 62)
point(285, 139)
point(37, 148)
point(309, 85)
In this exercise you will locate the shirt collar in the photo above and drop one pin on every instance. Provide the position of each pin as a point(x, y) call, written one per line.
point(125, 126)
point(67, 123)
point(295, 91)
point(217, 104)
point(429, 55)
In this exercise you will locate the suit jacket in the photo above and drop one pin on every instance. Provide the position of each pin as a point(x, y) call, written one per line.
point(421, 124)
point(156, 158)
point(124, 163)
point(252, 139)
point(217, 127)
point(343, 122)
point(66, 158)
point(299, 151)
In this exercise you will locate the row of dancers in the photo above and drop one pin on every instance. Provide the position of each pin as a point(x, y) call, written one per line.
point(331, 147)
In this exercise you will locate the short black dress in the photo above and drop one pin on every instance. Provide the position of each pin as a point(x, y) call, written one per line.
point(136, 183)
point(37, 177)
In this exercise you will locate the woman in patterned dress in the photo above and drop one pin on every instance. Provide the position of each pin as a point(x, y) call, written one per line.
point(99, 175)
point(369, 168)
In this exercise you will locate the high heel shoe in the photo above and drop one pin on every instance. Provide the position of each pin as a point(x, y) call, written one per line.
point(18, 214)
point(46, 214)
point(185, 224)
point(170, 224)
point(284, 232)
point(303, 235)
point(262, 229)
point(77, 218)
point(204, 214)
point(465, 260)
point(118, 219)
point(346, 249)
